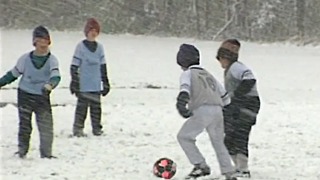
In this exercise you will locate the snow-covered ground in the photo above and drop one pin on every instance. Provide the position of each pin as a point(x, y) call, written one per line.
point(141, 123)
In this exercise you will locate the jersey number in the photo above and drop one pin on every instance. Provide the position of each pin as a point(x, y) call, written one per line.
point(207, 81)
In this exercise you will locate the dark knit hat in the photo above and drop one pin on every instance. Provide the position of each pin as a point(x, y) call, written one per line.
point(92, 23)
point(40, 32)
point(188, 55)
point(229, 49)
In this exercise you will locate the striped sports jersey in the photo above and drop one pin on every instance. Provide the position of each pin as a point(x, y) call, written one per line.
point(203, 88)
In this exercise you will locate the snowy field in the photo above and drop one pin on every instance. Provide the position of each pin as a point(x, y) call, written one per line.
point(141, 122)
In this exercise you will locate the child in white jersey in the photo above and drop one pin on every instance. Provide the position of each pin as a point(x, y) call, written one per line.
point(201, 99)
point(242, 113)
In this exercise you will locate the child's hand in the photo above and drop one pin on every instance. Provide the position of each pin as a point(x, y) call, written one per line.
point(74, 87)
point(46, 89)
point(182, 101)
point(106, 89)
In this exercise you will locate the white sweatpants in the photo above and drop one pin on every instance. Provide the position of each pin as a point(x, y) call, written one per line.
point(209, 118)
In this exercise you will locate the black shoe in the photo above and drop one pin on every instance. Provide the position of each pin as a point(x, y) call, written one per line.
point(244, 174)
point(21, 155)
point(49, 157)
point(198, 171)
point(79, 133)
point(97, 132)
point(231, 176)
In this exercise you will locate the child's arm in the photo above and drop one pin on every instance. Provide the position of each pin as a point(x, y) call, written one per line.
point(54, 76)
point(104, 73)
point(184, 95)
point(54, 73)
point(7, 79)
point(247, 82)
point(14, 73)
point(76, 62)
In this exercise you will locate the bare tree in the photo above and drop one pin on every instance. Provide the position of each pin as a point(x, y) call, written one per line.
point(300, 5)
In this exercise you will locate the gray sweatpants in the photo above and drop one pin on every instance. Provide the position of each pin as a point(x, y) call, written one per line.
point(209, 118)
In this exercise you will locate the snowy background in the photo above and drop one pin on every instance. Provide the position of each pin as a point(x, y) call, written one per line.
point(141, 122)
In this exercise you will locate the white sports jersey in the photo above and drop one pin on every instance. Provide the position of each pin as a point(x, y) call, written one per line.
point(235, 74)
point(203, 88)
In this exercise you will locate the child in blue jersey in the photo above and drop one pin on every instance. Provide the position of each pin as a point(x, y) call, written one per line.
point(40, 75)
point(241, 114)
point(89, 79)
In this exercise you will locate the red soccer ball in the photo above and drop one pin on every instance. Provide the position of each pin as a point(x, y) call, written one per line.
point(164, 168)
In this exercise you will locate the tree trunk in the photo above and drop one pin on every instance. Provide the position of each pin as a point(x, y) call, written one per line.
point(242, 19)
point(229, 10)
point(300, 5)
point(207, 14)
point(137, 21)
point(198, 25)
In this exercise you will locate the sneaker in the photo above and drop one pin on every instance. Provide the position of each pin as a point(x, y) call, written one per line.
point(49, 157)
point(97, 132)
point(244, 174)
point(21, 155)
point(230, 176)
point(198, 171)
point(79, 133)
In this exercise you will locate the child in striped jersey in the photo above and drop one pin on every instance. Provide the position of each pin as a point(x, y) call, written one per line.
point(242, 113)
point(40, 75)
point(88, 72)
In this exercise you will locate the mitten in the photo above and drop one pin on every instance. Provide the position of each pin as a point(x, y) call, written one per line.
point(182, 101)
point(74, 85)
point(106, 89)
point(104, 79)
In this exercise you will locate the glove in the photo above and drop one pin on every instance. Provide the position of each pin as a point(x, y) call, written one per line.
point(106, 89)
point(105, 80)
point(74, 87)
point(46, 89)
point(182, 101)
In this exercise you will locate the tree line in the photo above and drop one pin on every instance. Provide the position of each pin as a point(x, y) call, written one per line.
point(251, 20)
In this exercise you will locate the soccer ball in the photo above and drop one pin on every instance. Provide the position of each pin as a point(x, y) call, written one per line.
point(164, 168)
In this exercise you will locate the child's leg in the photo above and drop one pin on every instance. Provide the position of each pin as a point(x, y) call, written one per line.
point(45, 125)
point(229, 139)
point(25, 108)
point(95, 113)
point(81, 113)
point(216, 134)
point(230, 115)
point(242, 142)
point(187, 137)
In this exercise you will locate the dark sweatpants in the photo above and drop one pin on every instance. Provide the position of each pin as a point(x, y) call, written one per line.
point(238, 125)
point(41, 106)
point(87, 100)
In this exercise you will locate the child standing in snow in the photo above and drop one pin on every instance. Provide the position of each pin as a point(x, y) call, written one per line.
point(88, 71)
point(201, 99)
point(241, 114)
point(40, 75)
